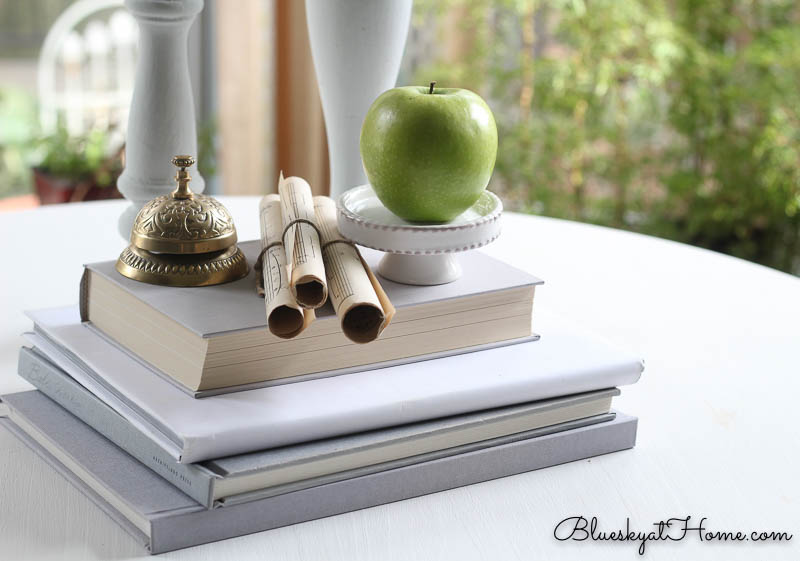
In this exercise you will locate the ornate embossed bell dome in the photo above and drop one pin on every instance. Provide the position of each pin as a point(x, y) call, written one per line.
point(183, 239)
point(183, 221)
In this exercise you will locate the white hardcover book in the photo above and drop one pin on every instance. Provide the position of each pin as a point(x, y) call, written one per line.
point(563, 362)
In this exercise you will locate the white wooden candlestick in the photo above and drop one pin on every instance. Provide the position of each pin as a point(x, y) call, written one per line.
point(161, 123)
point(357, 46)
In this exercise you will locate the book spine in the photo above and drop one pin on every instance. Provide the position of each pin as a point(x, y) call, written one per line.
point(192, 480)
point(83, 296)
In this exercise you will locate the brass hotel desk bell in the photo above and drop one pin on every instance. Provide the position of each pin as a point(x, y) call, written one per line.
point(183, 239)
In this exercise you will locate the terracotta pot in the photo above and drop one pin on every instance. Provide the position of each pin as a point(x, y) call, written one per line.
point(52, 189)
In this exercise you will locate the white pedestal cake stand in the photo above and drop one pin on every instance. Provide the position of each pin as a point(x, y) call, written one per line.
point(421, 254)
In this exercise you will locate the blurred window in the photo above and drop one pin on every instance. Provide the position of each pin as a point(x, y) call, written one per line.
point(676, 119)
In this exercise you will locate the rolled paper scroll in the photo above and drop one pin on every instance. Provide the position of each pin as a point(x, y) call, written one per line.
point(357, 297)
point(285, 318)
point(301, 243)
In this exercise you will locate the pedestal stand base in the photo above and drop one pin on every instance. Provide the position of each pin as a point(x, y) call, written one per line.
point(420, 254)
point(423, 270)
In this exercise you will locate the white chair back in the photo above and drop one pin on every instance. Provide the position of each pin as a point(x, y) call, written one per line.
point(86, 68)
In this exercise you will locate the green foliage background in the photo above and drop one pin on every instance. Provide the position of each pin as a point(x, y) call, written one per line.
point(679, 119)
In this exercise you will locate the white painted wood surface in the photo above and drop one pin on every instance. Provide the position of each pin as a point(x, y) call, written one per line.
point(718, 433)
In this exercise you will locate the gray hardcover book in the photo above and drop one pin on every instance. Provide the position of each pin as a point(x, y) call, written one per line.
point(165, 519)
point(246, 477)
point(214, 339)
point(234, 306)
point(193, 479)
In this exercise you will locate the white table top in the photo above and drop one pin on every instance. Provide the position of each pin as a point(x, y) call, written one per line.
point(719, 430)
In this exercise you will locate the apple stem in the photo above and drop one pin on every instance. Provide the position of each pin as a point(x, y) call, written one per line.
point(430, 91)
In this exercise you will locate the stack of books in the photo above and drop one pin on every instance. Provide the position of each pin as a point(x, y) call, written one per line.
point(180, 415)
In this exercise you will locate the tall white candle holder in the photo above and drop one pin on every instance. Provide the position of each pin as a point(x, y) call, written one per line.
point(357, 46)
point(420, 254)
point(161, 122)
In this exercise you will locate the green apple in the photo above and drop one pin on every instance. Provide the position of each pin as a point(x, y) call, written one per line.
point(428, 152)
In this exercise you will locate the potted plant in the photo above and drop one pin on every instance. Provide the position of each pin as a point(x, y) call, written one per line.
point(74, 168)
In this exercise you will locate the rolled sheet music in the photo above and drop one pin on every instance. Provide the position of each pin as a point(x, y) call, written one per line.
point(285, 318)
point(304, 267)
point(357, 297)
